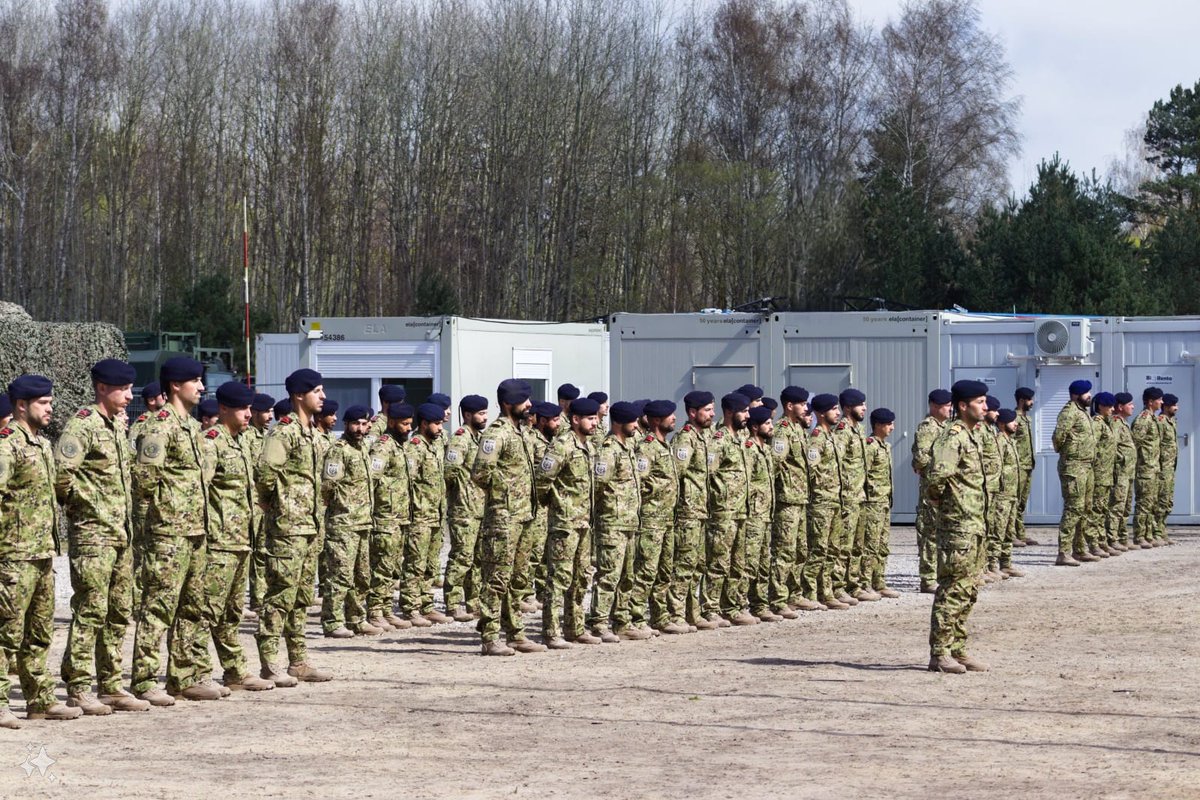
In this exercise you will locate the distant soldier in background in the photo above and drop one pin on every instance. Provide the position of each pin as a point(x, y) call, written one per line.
point(464, 511)
point(1124, 467)
point(207, 413)
point(1025, 453)
point(282, 408)
point(567, 393)
point(389, 393)
point(728, 497)
point(624, 560)
point(789, 524)
point(752, 393)
point(877, 511)
point(691, 446)
point(390, 515)
point(155, 399)
point(1168, 460)
point(1075, 442)
point(1104, 471)
point(1147, 438)
point(922, 451)
point(427, 487)
point(1011, 476)
point(324, 422)
point(5, 410)
point(601, 431)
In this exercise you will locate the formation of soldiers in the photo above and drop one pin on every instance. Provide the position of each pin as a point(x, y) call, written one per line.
point(739, 511)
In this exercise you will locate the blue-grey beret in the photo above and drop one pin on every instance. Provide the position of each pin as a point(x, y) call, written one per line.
point(512, 392)
point(940, 397)
point(544, 408)
point(440, 399)
point(1170, 399)
point(283, 408)
point(1006, 416)
point(329, 408)
point(1152, 393)
point(1122, 398)
point(968, 390)
point(749, 391)
point(993, 403)
point(794, 394)
point(659, 408)
point(1080, 387)
point(1023, 393)
point(1105, 399)
point(392, 393)
point(207, 407)
point(5, 405)
point(599, 397)
point(735, 402)
point(151, 389)
point(759, 415)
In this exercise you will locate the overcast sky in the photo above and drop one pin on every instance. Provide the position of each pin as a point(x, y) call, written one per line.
point(1087, 70)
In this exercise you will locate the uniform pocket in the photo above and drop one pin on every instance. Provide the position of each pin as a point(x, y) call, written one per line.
point(8, 596)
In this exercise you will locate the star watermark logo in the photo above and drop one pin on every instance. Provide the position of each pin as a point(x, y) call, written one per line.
point(39, 761)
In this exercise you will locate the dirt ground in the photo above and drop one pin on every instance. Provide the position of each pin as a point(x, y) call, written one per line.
point(1092, 693)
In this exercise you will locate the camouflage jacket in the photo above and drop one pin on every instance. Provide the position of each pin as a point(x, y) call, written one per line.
point(789, 445)
point(954, 481)
point(252, 439)
point(1074, 440)
point(288, 478)
point(346, 485)
point(760, 493)
point(1148, 440)
point(1023, 440)
point(426, 471)
point(171, 473)
point(392, 509)
point(922, 447)
point(691, 446)
point(378, 425)
point(464, 500)
point(1105, 434)
point(536, 445)
point(728, 476)
point(564, 482)
point(504, 471)
point(989, 449)
point(136, 429)
point(850, 440)
point(618, 496)
point(879, 471)
point(1125, 456)
point(824, 467)
point(28, 511)
point(1168, 448)
point(233, 512)
point(1011, 473)
point(658, 465)
point(95, 481)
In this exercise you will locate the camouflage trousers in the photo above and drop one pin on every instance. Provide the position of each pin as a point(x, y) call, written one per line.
point(876, 522)
point(1120, 503)
point(386, 552)
point(224, 597)
point(643, 570)
point(720, 536)
point(1098, 524)
point(497, 611)
point(460, 583)
point(26, 628)
point(1145, 510)
point(1022, 504)
point(291, 568)
point(754, 584)
point(172, 604)
point(568, 569)
point(956, 592)
point(258, 565)
point(1166, 502)
point(1076, 479)
point(683, 604)
point(926, 539)
point(855, 536)
point(1001, 532)
point(660, 587)
point(101, 606)
point(615, 548)
point(529, 561)
point(824, 520)
point(416, 583)
point(789, 551)
point(347, 559)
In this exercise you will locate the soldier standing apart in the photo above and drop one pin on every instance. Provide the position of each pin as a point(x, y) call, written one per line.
point(95, 489)
point(922, 451)
point(954, 484)
point(171, 476)
point(390, 516)
point(28, 541)
point(428, 489)
point(565, 484)
point(1124, 467)
point(1008, 492)
point(503, 470)
point(389, 393)
point(233, 515)
point(349, 501)
point(824, 505)
point(691, 446)
point(1147, 438)
point(728, 496)
point(464, 511)
point(1104, 470)
point(754, 588)
point(288, 476)
point(1024, 441)
point(789, 525)
point(658, 467)
point(877, 511)
point(1168, 460)
point(625, 565)
point(1075, 442)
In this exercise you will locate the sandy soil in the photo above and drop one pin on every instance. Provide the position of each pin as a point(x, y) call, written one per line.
point(1092, 693)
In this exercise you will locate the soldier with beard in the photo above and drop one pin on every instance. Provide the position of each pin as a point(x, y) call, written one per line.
point(728, 497)
point(464, 511)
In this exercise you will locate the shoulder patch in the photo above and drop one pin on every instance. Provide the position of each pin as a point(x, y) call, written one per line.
point(814, 454)
point(164, 414)
point(488, 445)
point(749, 443)
point(5, 433)
point(212, 433)
point(841, 426)
point(683, 452)
point(816, 432)
point(453, 456)
point(779, 445)
point(649, 438)
point(286, 419)
point(460, 431)
point(870, 440)
point(719, 434)
point(333, 469)
point(383, 437)
point(548, 463)
point(142, 417)
point(83, 413)
point(688, 427)
point(783, 423)
point(70, 450)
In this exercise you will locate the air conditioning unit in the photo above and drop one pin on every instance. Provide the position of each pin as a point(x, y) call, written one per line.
point(1063, 338)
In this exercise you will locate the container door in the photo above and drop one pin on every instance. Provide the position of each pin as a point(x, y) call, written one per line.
point(1179, 381)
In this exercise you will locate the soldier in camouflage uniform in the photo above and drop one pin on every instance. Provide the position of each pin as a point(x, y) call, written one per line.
point(753, 588)
point(288, 477)
point(877, 511)
point(728, 498)
point(1168, 461)
point(658, 467)
point(954, 483)
point(28, 541)
point(1024, 442)
point(528, 582)
point(347, 491)
point(1147, 438)
point(389, 393)
point(233, 514)
point(691, 446)
point(1125, 465)
point(170, 475)
point(847, 581)
point(567, 394)
point(824, 504)
point(261, 415)
point(152, 395)
point(95, 489)
point(1104, 472)
point(623, 562)
point(789, 526)
point(433, 551)
point(602, 430)
point(464, 511)
point(1008, 493)
point(564, 482)
point(922, 451)
point(427, 484)
point(987, 433)
point(391, 515)
point(503, 470)
point(1075, 442)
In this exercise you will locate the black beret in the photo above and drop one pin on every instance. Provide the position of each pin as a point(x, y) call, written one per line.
point(940, 397)
point(180, 369)
point(262, 402)
point(1006, 416)
point(770, 402)
point(622, 412)
point(392, 393)
point(1122, 398)
point(430, 412)
point(794, 394)
point(329, 408)
point(584, 407)
point(639, 406)
point(568, 391)
point(151, 389)
point(114, 372)
point(968, 390)
point(30, 387)
point(1080, 387)
point(759, 415)
point(5, 405)
point(882, 416)
point(512, 391)
point(400, 411)
point(749, 391)
point(659, 408)
point(851, 397)
point(356, 413)
point(283, 408)
point(234, 394)
point(1104, 399)
point(207, 407)
point(442, 400)
point(993, 403)
point(472, 403)
point(1170, 400)
point(545, 408)
point(735, 402)
point(302, 380)
point(599, 397)
point(1023, 393)
point(697, 399)
point(823, 402)
point(1152, 393)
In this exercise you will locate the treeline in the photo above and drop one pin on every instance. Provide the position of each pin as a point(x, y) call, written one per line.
point(551, 159)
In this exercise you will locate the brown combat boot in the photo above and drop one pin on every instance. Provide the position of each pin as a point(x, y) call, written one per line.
point(606, 635)
point(303, 671)
point(584, 638)
point(1145, 544)
point(805, 604)
point(847, 599)
point(928, 587)
point(632, 634)
point(530, 606)
point(396, 622)
point(834, 604)
point(55, 711)
point(1084, 556)
point(703, 624)
point(742, 618)
point(526, 646)
point(1012, 571)
point(784, 612)
point(277, 676)
point(8, 720)
point(462, 615)
point(717, 620)
point(340, 632)
point(1029, 540)
point(558, 643)
point(1019, 543)
point(676, 628)
point(438, 618)
point(418, 620)
point(888, 592)
point(1110, 549)
point(249, 615)
point(122, 700)
point(867, 596)
point(155, 696)
point(246, 683)
point(1065, 560)
point(971, 664)
point(88, 702)
point(496, 648)
point(1098, 552)
point(198, 691)
point(767, 615)
point(379, 622)
point(945, 664)
point(367, 629)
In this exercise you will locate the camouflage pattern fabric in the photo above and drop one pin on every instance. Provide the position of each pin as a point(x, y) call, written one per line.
point(1075, 442)
point(1147, 439)
point(922, 452)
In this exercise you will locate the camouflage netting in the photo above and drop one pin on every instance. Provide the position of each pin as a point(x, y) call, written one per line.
point(62, 351)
